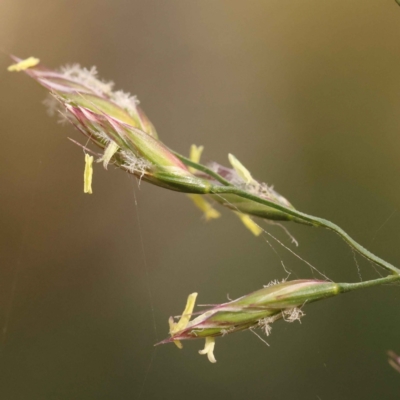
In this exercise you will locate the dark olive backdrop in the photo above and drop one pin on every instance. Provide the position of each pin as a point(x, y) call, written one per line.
point(305, 93)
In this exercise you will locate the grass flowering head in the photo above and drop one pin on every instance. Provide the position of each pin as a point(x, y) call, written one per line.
point(257, 309)
point(114, 122)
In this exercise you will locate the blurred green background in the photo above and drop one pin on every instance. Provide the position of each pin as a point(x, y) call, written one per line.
point(305, 93)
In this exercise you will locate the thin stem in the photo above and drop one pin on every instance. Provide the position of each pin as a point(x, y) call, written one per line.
point(347, 287)
point(309, 219)
point(298, 216)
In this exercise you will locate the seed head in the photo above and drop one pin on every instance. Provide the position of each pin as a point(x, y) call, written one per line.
point(258, 309)
point(113, 121)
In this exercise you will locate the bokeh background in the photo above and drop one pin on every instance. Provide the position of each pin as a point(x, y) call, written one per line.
point(305, 93)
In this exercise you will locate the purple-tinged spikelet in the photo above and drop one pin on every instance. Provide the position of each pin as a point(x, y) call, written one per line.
point(258, 309)
point(114, 121)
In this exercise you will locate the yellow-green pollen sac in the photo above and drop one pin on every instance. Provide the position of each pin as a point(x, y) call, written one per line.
point(200, 202)
point(109, 152)
point(246, 176)
point(195, 155)
point(88, 174)
point(209, 349)
point(240, 169)
point(175, 327)
point(24, 64)
point(255, 229)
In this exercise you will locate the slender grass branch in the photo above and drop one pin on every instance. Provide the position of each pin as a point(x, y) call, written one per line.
point(347, 287)
point(308, 219)
point(296, 215)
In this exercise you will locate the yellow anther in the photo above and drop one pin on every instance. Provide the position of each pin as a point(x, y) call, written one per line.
point(187, 313)
point(209, 349)
point(178, 344)
point(24, 64)
point(172, 324)
point(88, 174)
point(195, 155)
point(249, 224)
point(175, 327)
point(241, 170)
point(209, 211)
point(110, 150)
